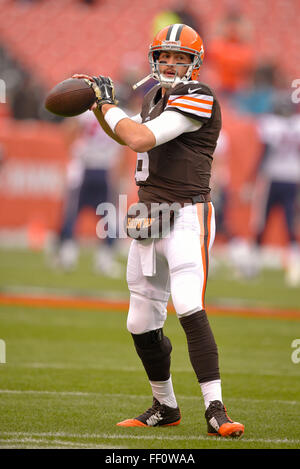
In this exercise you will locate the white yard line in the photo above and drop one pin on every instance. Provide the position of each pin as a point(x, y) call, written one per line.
point(69, 366)
point(42, 437)
point(50, 443)
point(133, 396)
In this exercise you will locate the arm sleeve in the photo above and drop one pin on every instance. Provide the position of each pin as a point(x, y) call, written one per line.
point(170, 125)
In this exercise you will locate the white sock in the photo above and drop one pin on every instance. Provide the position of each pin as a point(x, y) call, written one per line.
point(211, 391)
point(164, 393)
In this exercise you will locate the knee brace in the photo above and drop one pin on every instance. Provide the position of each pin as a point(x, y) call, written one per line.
point(154, 350)
point(202, 347)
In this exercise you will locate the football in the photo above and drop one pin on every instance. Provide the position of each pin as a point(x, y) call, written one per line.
point(70, 98)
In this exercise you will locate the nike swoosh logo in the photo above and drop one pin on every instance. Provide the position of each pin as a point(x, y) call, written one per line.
point(194, 90)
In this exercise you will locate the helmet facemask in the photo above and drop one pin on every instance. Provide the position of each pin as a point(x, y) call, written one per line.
point(192, 67)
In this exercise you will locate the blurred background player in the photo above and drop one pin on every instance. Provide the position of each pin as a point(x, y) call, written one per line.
point(231, 54)
point(277, 183)
point(220, 186)
point(221, 197)
point(177, 12)
point(93, 157)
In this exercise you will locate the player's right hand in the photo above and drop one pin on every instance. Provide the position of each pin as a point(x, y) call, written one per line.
point(103, 88)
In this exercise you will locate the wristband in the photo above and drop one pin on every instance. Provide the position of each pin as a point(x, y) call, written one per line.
point(113, 116)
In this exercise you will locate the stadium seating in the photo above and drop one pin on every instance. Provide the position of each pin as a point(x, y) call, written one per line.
point(55, 39)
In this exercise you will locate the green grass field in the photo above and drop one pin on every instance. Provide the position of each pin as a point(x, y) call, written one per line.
point(71, 374)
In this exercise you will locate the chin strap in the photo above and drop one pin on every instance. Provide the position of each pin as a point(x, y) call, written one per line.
point(164, 83)
point(141, 82)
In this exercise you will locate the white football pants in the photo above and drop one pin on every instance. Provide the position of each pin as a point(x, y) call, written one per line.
point(176, 265)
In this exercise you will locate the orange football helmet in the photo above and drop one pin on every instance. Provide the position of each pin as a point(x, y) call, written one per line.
point(181, 38)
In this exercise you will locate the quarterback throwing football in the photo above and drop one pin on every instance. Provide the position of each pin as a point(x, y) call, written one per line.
point(175, 136)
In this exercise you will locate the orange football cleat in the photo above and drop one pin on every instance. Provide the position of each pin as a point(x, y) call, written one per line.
point(219, 424)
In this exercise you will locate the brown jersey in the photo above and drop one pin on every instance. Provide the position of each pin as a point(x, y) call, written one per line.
point(180, 169)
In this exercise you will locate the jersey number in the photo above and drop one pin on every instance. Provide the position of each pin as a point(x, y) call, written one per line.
point(142, 167)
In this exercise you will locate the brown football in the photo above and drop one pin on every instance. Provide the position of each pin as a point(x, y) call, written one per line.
point(70, 98)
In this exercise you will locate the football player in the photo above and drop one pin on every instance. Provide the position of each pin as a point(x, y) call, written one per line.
point(175, 136)
point(92, 157)
point(277, 182)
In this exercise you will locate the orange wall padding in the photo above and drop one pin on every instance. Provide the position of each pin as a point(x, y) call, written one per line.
point(32, 177)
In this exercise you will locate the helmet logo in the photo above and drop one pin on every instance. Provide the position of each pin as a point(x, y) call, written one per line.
point(170, 44)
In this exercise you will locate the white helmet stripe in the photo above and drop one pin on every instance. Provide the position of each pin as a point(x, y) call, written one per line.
point(174, 32)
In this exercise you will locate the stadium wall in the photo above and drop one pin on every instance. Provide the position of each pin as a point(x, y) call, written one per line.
point(33, 172)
